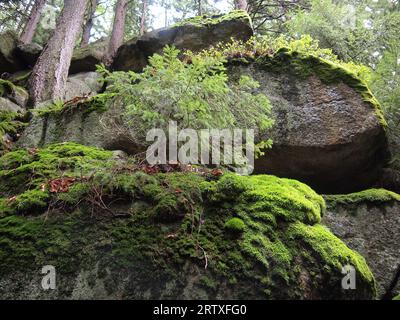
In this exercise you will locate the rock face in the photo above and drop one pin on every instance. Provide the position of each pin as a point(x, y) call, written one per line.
point(226, 237)
point(8, 63)
point(82, 84)
point(369, 222)
point(328, 132)
point(16, 57)
point(193, 34)
point(85, 59)
point(7, 105)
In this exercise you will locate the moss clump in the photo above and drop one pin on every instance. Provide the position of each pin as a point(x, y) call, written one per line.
point(25, 173)
point(6, 87)
point(97, 103)
point(370, 196)
point(329, 248)
point(235, 225)
point(11, 123)
point(206, 20)
point(158, 228)
point(397, 297)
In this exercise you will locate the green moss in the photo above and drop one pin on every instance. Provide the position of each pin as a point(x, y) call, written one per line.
point(205, 20)
point(330, 249)
point(371, 196)
point(235, 225)
point(21, 78)
point(25, 173)
point(11, 123)
point(30, 201)
point(397, 297)
point(173, 223)
point(6, 87)
point(97, 103)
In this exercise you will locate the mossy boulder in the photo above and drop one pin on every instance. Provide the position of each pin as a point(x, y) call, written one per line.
point(193, 34)
point(369, 222)
point(107, 236)
point(329, 130)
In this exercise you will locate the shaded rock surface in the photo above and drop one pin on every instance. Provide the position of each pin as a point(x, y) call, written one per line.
point(372, 228)
point(326, 133)
point(85, 59)
point(193, 34)
point(28, 53)
point(8, 62)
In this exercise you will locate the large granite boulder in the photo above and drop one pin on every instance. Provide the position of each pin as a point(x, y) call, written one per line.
point(17, 56)
point(369, 222)
point(329, 131)
point(193, 34)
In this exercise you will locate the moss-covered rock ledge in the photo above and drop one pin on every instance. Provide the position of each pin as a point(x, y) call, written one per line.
point(113, 231)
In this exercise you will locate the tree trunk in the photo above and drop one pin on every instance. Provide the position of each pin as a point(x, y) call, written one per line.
point(51, 70)
point(32, 23)
point(199, 8)
point(241, 5)
point(143, 17)
point(87, 29)
point(117, 35)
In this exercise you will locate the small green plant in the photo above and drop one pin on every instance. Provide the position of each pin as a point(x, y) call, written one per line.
point(235, 225)
point(267, 45)
point(194, 92)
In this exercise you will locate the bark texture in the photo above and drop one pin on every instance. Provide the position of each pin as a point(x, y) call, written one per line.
point(241, 5)
point(50, 73)
point(87, 29)
point(117, 35)
point(143, 26)
point(32, 23)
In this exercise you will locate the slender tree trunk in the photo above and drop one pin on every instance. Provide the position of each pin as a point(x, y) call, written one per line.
point(143, 26)
point(22, 21)
point(32, 23)
point(51, 70)
point(87, 28)
point(199, 8)
point(241, 5)
point(117, 35)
